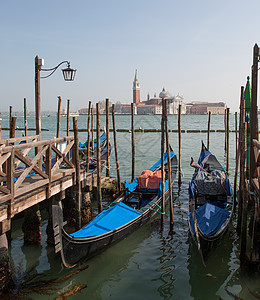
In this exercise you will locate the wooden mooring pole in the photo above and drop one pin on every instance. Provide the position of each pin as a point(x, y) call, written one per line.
point(168, 162)
point(108, 139)
point(10, 119)
point(115, 148)
point(68, 117)
point(25, 116)
point(238, 162)
point(208, 133)
point(133, 141)
point(58, 117)
point(244, 192)
point(12, 127)
point(253, 113)
point(99, 193)
point(77, 187)
point(88, 144)
point(68, 121)
point(227, 142)
point(162, 166)
point(225, 129)
point(236, 166)
point(179, 135)
point(92, 130)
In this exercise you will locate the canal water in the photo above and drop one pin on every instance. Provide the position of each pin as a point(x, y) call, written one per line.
point(148, 264)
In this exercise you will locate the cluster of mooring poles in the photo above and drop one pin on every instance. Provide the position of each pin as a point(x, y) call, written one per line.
point(248, 162)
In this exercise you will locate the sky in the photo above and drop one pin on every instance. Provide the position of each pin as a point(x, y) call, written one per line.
point(199, 49)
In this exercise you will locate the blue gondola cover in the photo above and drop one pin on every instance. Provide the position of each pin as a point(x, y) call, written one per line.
point(108, 220)
point(210, 218)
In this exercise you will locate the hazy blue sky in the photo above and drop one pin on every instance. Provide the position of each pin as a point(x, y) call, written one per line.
point(200, 49)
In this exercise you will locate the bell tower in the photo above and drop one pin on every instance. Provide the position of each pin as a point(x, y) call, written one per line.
point(136, 89)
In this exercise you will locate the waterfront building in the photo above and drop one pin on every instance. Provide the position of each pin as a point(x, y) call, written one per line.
point(202, 108)
point(153, 106)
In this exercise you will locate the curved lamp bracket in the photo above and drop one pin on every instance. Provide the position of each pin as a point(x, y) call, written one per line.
point(68, 73)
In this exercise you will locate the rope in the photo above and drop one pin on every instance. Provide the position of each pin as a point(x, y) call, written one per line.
point(106, 207)
point(148, 207)
point(220, 168)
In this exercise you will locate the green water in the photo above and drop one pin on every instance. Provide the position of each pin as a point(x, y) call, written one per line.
point(148, 264)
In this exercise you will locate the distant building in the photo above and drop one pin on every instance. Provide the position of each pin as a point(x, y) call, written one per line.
point(146, 109)
point(153, 106)
point(136, 89)
point(83, 111)
point(202, 108)
point(174, 103)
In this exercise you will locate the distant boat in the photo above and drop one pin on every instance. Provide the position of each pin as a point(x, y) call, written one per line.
point(46, 115)
point(72, 114)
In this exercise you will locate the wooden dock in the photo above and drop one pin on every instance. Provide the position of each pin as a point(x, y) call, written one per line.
point(26, 181)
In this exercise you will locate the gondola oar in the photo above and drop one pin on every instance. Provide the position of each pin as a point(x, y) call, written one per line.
point(198, 166)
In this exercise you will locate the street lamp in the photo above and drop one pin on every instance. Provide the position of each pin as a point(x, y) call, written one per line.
point(68, 74)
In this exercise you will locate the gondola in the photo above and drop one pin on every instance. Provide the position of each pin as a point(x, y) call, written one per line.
point(104, 147)
point(140, 201)
point(211, 202)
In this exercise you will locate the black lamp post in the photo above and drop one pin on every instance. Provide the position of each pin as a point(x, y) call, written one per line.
point(68, 74)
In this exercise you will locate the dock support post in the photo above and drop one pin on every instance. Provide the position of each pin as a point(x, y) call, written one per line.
point(31, 225)
point(86, 209)
point(6, 281)
point(49, 230)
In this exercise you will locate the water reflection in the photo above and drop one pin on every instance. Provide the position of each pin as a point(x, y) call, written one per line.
point(207, 281)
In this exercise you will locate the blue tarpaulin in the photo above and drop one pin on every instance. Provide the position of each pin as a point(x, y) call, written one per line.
point(108, 220)
point(102, 139)
point(210, 218)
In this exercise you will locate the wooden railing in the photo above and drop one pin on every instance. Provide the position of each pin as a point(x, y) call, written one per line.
point(18, 164)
